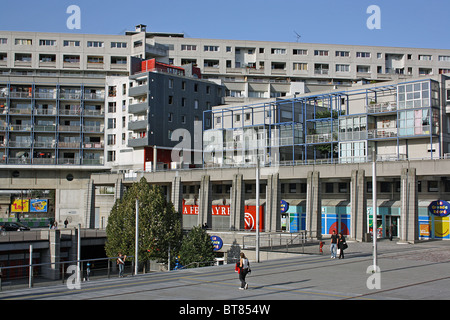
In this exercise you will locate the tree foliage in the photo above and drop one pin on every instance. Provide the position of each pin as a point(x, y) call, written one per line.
point(197, 247)
point(159, 224)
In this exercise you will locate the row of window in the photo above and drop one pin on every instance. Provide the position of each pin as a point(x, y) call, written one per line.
point(27, 57)
point(66, 43)
point(326, 53)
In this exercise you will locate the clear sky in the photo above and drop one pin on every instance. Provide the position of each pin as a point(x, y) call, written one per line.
point(404, 23)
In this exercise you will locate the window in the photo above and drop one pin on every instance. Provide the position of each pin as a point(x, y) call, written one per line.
point(448, 94)
point(441, 58)
point(183, 119)
point(433, 186)
point(425, 57)
point(71, 43)
point(170, 116)
point(23, 57)
point(342, 68)
point(211, 48)
point(300, 66)
point(170, 83)
point(292, 187)
point(111, 156)
point(112, 123)
point(195, 104)
point(188, 47)
point(329, 187)
point(112, 107)
point(95, 44)
point(323, 53)
point(342, 54)
point(3, 41)
point(49, 43)
point(363, 69)
point(363, 54)
point(119, 60)
point(95, 59)
point(111, 139)
point(385, 187)
point(71, 59)
point(47, 58)
point(278, 51)
point(414, 95)
point(299, 52)
point(23, 42)
point(119, 45)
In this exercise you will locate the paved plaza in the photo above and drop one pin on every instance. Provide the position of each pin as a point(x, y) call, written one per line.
point(419, 271)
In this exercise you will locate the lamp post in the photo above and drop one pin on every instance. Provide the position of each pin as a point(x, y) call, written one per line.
point(374, 210)
point(136, 243)
point(257, 208)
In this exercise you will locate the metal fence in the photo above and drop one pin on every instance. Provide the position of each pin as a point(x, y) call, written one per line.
point(64, 272)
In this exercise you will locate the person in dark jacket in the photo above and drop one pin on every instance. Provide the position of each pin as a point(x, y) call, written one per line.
point(341, 244)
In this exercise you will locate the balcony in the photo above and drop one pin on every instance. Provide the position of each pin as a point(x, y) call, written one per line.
point(42, 128)
point(139, 108)
point(69, 145)
point(382, 133)
point(138, 125)
point(45, 95)
point(45, 144)
point(20, 144)
point(70, 96)
point(138, 91)
point(382, 107)
point(20, 95)
point(17, 127)
point(141, 142)
point(69, 161)
point(25, 111)
point(70, 112)
point(93, 129)
point(63, 128)
point(322, 138)
point(44, 161)
point(93, 145)
point(94, 96)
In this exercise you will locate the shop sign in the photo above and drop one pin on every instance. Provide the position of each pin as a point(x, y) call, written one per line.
point(215, 210)
point(439, 208)
point(284, 206)
point(217, 242)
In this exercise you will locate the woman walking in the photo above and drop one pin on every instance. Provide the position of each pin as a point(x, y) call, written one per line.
point(244, 266)
point(342, 245)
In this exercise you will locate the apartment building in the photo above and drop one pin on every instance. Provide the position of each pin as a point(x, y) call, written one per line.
point(260, 69)
point(399, 120)
point(153, 111)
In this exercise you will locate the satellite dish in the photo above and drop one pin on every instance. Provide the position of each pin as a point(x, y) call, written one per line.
point(297, 35)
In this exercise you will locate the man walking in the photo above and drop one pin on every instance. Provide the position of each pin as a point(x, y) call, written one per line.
point(333, 246)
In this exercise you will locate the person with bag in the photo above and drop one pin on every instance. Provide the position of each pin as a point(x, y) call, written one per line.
point(342, 245)
point(244, 269)
point(333, 244)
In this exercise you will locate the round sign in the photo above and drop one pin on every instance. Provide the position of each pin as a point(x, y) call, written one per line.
point(284, 206)
point(439, 208)
point(217, 242)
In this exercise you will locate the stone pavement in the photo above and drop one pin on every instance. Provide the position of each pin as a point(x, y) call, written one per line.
point(419, 271)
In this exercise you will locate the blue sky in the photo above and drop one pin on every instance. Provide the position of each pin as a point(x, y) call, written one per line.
point(404, 23)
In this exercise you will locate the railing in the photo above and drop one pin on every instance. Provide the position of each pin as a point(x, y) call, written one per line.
point(321, 138)
point(71, 273)
point(277, 240)
point(382, 107)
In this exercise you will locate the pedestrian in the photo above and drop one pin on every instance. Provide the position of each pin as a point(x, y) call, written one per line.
point(244, 269)
point(121, 264)
point(342, 245)
point(88, 271)
point(333, 245)
point(391, 229)
point(66, 222)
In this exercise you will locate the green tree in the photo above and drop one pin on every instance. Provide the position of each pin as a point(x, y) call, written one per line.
point(159, 224)
point(196, 247)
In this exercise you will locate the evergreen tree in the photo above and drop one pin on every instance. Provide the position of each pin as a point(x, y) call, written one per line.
point(159, 224)
point(197, 247)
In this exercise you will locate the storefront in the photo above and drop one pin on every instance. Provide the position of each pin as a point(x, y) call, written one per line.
point(434, 220)
point(250, 214)
point(293, 215)
point(388, 218)
point(336, 216)
point(220, 211)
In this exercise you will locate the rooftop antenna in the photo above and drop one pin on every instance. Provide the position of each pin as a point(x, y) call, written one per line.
point(298, 36)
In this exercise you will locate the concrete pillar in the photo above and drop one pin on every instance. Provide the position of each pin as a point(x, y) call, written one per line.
point(205, 202)
point(90, 206)
point(358, 200)
point(237, 206)
point(155, 158)
point(313, 206)
point(52, 255)
point(118, 191)
point(409, 229)
point(273, 199)
point(177, 194)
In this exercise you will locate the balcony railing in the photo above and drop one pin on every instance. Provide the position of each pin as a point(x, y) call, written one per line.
point(382, 107)
point(321, 138)
point(382, 133)
point(69, 145)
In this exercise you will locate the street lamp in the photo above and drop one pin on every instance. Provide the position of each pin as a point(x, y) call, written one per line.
point(374, 210)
